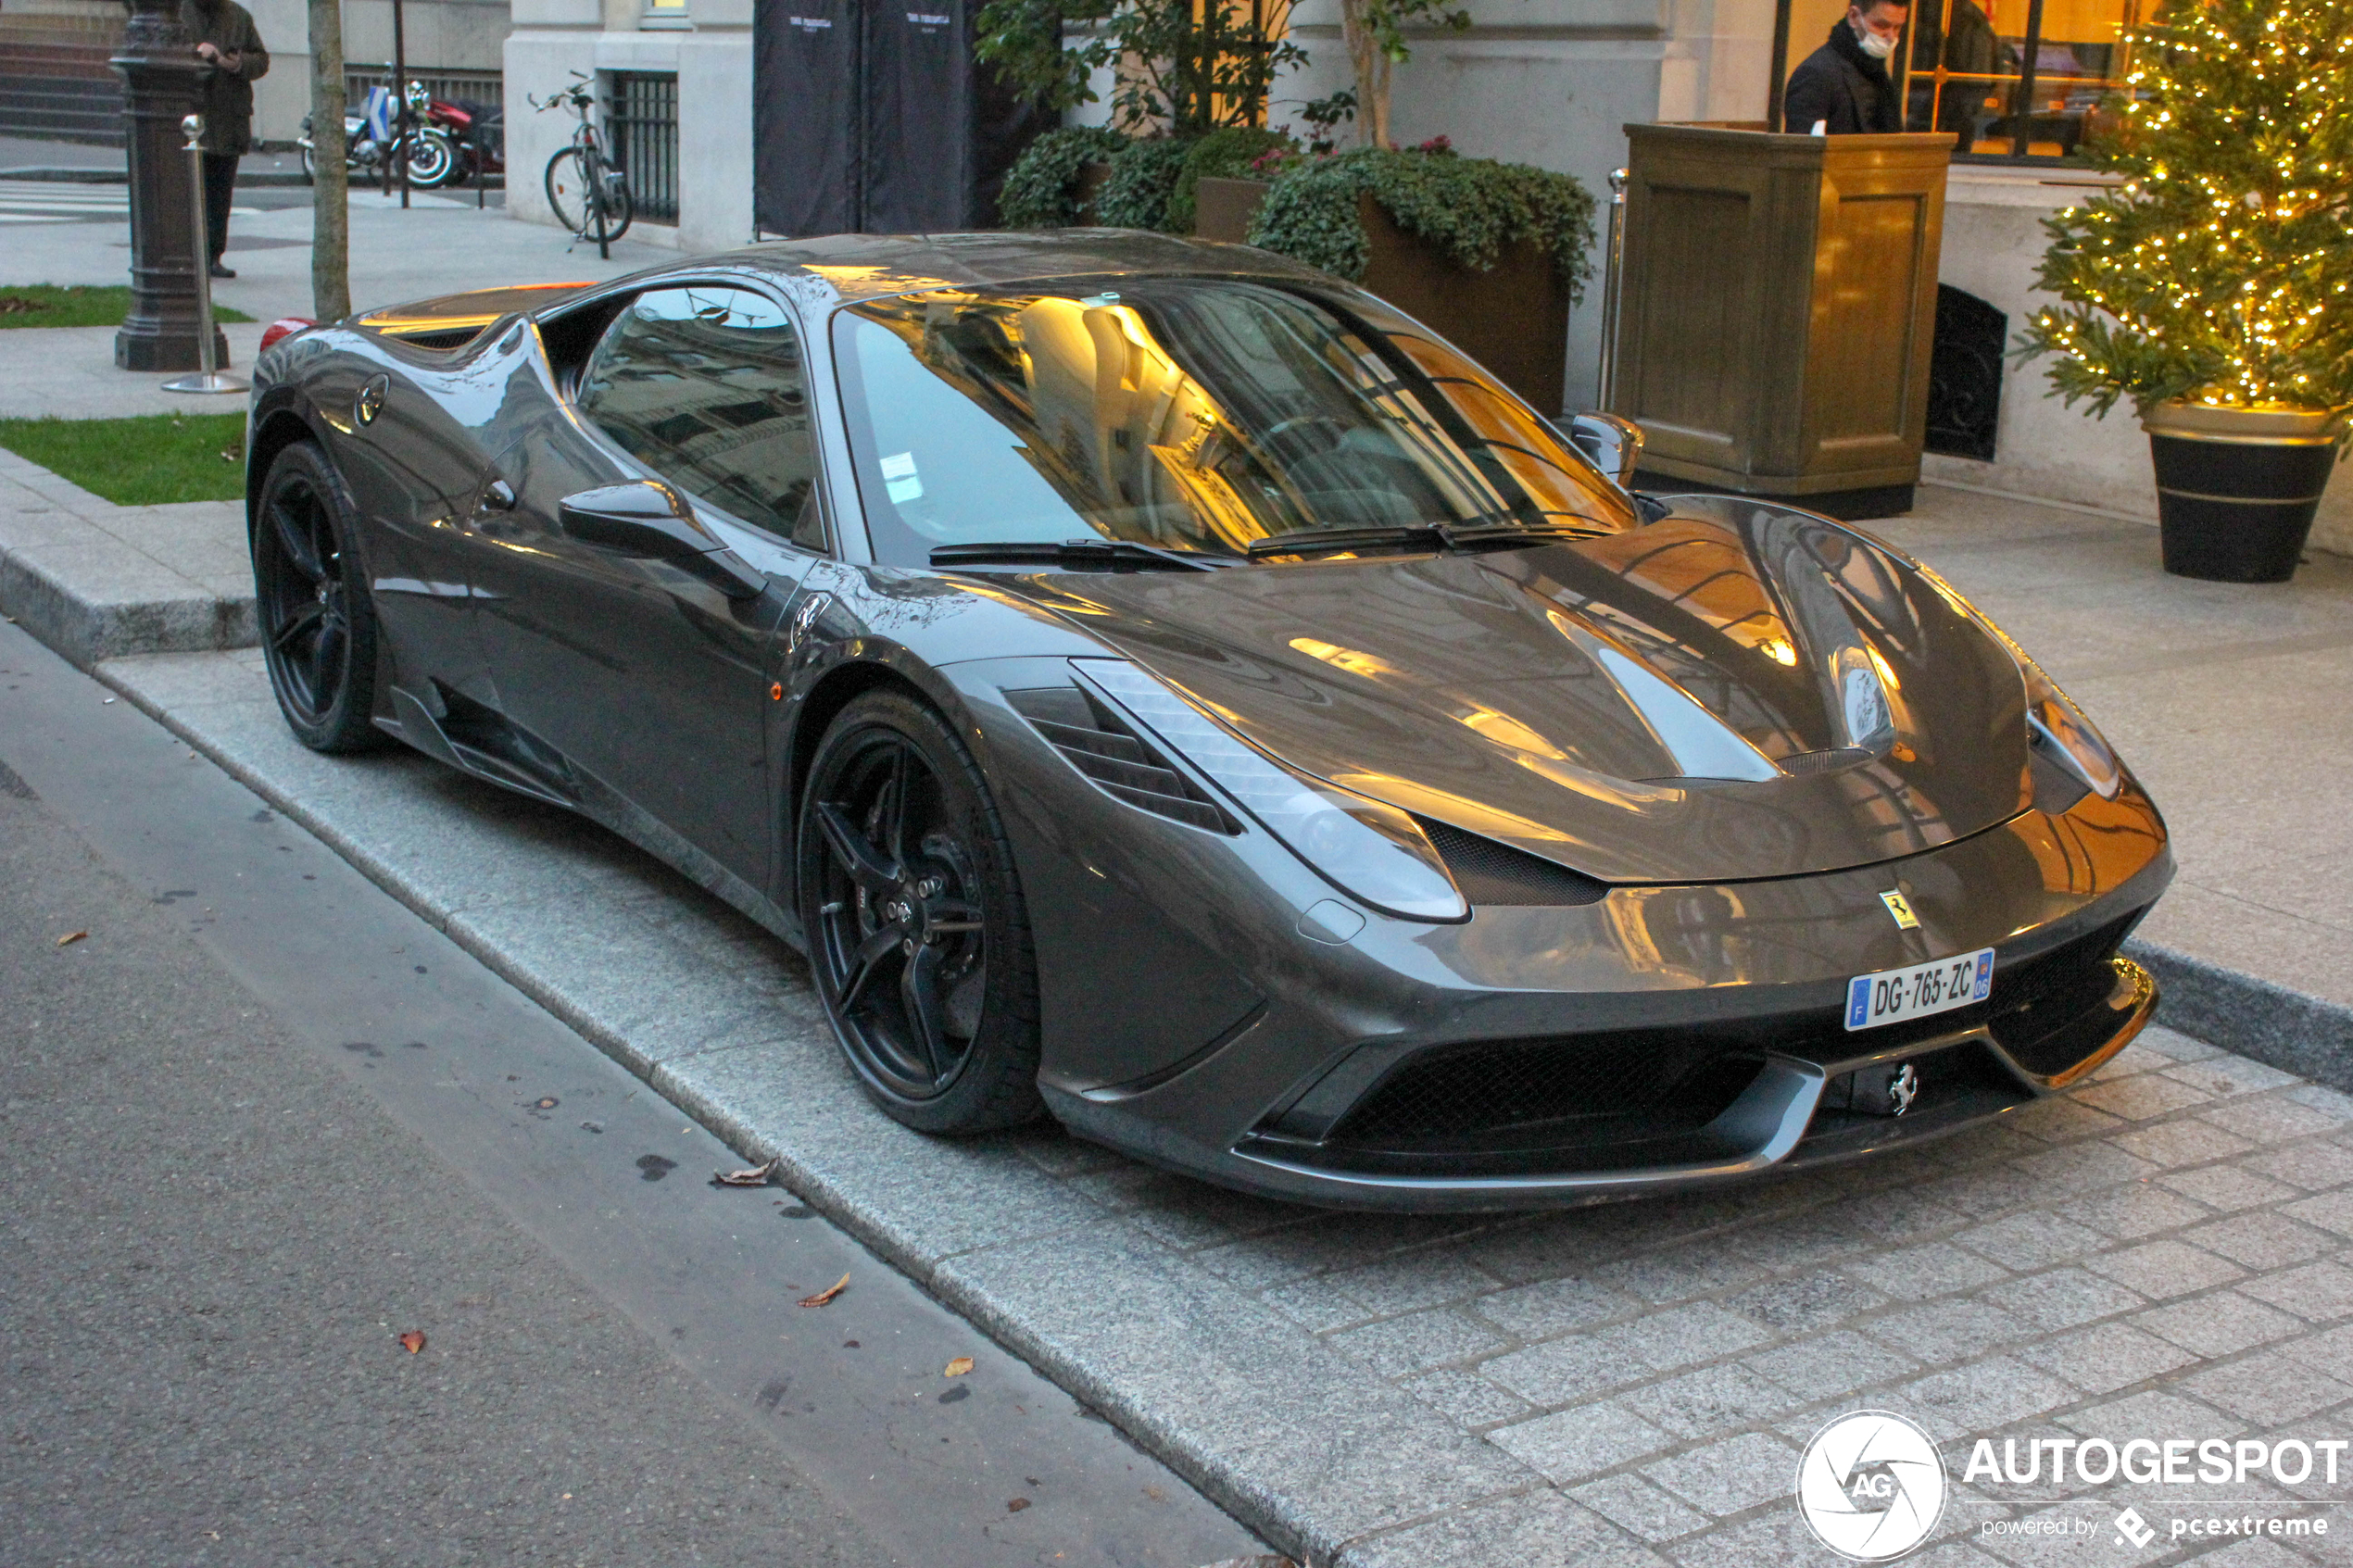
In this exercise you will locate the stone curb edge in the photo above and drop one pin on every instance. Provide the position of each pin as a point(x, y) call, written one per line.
point(1273, 1518)
point(2308, 1035)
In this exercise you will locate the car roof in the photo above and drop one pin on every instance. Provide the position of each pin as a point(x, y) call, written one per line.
point(877, 265)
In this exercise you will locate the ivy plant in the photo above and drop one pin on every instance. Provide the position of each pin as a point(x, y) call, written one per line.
point(1041, 188)
point(1239, 152)
point(1468, 208)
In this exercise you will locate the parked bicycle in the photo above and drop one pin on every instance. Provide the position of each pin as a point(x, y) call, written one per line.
point(589, 195)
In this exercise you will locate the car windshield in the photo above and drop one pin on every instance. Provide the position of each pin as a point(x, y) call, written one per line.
point(1186, 414)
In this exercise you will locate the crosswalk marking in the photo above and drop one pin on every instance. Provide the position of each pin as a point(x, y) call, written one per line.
point(45, 201)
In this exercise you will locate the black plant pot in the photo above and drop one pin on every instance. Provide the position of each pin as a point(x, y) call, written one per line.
point(2237, 488)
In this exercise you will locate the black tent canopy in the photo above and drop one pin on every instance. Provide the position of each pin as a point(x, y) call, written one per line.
point(873, 116)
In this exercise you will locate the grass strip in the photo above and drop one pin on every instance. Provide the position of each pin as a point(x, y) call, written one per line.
point(143, 461)
point(50, 305)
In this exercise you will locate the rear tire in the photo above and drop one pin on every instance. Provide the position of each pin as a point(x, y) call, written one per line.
point(620, 209)
point(918, 938)
point(318, 625)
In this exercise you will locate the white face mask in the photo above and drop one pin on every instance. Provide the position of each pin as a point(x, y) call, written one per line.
point(1876, 45)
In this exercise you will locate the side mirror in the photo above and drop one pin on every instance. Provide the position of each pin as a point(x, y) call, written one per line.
point(1612, 445)
point(649, 521)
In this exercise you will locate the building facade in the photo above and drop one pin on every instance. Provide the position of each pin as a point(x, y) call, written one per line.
point(1550, 82)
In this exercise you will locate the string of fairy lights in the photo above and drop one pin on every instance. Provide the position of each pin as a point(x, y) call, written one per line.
point(2221, 271)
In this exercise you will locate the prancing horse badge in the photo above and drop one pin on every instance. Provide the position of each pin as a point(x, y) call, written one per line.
point(1901, 908)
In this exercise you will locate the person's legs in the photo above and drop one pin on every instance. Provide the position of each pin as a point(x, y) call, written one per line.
point(219, 189)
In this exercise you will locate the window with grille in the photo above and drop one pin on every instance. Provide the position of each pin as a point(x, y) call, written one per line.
point(641, 130)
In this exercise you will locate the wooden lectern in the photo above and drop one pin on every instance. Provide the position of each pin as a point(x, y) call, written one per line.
point(1776, 304)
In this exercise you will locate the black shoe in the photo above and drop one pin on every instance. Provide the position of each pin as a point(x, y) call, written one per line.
point(220, 271)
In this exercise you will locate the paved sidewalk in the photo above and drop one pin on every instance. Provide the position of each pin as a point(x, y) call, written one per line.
point(91, 579)
point(441, 244)
point(2164, 1252)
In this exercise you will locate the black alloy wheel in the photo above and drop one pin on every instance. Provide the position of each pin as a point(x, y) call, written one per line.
point(318, 625)
point(916, 931)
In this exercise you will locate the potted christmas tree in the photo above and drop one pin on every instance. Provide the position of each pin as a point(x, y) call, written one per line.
point(2215, 289)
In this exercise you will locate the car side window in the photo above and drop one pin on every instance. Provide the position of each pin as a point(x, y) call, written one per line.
point(705, 386)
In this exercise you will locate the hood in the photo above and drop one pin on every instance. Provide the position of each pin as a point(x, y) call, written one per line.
point(1731, 692)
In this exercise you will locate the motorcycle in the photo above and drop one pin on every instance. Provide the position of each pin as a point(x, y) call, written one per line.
point(442, 147)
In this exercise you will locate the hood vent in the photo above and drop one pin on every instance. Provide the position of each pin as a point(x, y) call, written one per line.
point(1489, 873)
point(1799, 763)
point(1094, 740)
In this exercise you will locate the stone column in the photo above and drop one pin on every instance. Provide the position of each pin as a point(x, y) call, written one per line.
point(160, 74)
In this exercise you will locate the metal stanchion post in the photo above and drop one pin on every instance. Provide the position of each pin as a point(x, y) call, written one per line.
point(211, 377)
point(1614, 252)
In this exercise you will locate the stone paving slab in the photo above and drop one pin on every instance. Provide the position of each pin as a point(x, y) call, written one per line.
point(2166, 1252)
point(94, 580)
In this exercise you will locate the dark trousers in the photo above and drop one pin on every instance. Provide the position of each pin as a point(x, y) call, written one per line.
point(219, 189)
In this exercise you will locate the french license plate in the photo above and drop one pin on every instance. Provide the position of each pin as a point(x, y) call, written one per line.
point(1895, 994)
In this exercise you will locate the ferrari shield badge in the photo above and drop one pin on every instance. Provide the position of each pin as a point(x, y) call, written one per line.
point(1901, 908)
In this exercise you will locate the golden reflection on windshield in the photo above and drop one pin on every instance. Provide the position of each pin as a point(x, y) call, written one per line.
point(1277, 418)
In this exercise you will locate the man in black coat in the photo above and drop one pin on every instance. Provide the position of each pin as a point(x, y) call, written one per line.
point(1844, 83)
point(224, 39)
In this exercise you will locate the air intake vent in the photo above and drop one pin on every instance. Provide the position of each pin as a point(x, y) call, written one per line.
point(1094, 740)
point(1799, 763)
point(1489, 873)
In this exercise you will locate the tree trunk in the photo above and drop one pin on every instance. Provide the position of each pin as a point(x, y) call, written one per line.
point(1370, 63)
point(330, 212)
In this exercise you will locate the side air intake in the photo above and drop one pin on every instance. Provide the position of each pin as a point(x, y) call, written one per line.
point(1096, 742)
point(1489, 873)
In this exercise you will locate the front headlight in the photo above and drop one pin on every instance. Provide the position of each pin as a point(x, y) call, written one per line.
point(1369, 850)
point(2055, 726)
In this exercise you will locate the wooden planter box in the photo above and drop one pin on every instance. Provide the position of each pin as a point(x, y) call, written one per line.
point(1512, 318)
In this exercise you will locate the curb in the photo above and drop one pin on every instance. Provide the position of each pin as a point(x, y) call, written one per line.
point(2281, 1027)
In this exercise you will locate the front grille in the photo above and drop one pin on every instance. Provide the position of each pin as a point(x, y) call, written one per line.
point(1489, 873)
point(1098, 744)
point(1667, 1077)
point(2047, 1012)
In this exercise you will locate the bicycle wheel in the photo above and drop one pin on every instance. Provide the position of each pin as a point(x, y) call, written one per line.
point(610, 218)
point(568, 189)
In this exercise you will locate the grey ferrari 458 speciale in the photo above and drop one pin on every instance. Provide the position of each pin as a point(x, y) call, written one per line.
point(1163, 686)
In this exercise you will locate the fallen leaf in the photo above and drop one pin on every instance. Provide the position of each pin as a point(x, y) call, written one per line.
point(71, 938)
point(958, 1367)
point(828, 1294)
point(412, 1341)
point(1016, 1505)
point(754, 1176)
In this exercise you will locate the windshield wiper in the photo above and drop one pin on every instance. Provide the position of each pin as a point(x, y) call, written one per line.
point(1422, 536)
point(1315, 541)
point(1509, 535)
point(1071, 555)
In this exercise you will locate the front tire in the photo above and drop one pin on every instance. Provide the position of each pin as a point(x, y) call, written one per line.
point(567, 184)
point(918, 938)
point(431, 159)
point(318, 625)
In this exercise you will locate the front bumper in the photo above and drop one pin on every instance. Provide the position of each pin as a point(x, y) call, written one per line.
point(1726, 1001)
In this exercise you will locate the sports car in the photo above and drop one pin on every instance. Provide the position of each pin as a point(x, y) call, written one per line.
point(1164, 687)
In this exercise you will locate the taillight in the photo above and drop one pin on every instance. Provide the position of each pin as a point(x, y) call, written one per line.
point(284, 326)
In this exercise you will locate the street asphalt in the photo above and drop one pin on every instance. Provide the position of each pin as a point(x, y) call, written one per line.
point(213, 1243)
point(262, 1120)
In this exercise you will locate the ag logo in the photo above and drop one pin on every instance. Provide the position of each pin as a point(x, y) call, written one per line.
point(1871, 1486)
